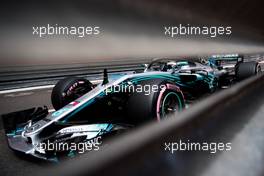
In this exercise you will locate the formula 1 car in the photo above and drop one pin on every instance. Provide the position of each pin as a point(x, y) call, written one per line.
point(85, 111)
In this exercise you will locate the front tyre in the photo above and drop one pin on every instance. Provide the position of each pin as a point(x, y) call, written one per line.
point(68, 90)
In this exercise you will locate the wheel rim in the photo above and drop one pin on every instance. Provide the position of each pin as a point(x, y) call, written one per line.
point(171, 104)
point(75, 91)
point(258, 69)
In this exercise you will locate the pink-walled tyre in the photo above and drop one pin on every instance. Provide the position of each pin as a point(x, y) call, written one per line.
point(167, 101)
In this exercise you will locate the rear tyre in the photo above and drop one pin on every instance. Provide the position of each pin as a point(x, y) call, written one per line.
point(157, 105)
point(68, 90)
point(247, 69)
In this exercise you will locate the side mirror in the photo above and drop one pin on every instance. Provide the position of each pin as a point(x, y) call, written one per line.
point(145, 65)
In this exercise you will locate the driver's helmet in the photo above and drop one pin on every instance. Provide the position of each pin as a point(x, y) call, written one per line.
point(171, 65)
point(203, 60)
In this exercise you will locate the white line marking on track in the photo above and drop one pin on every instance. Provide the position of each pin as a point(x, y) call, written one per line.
point(20, 94)
point(37, 88)
point(26, 89)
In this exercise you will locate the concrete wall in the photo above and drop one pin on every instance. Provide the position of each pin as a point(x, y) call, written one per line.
point(129, 29)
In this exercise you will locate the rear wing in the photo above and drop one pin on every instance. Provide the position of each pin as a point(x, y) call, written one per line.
point(226, 59)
